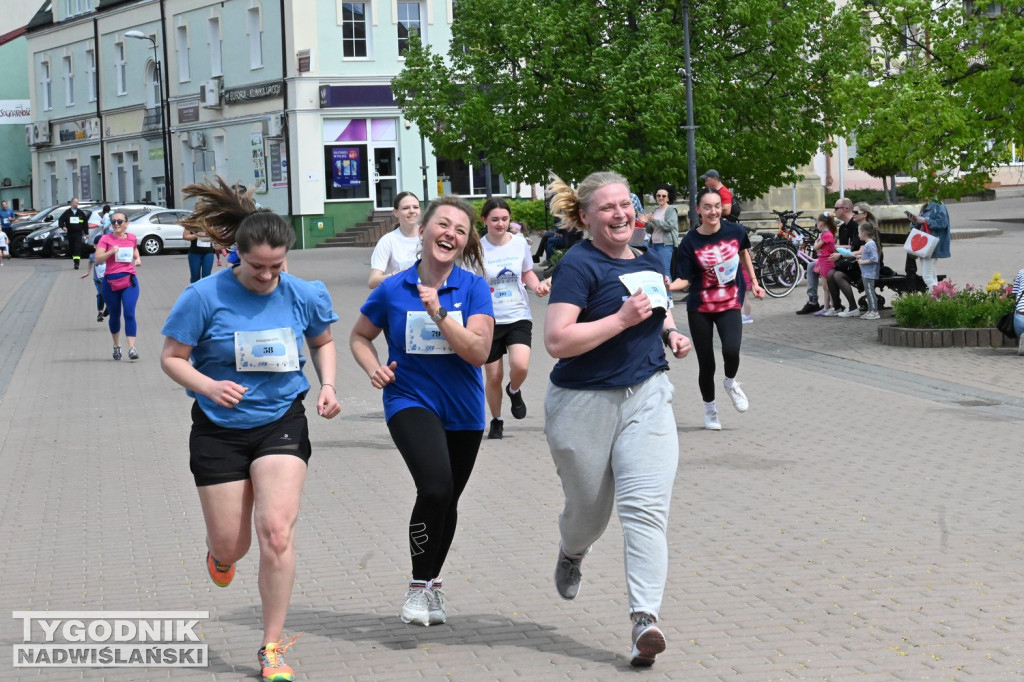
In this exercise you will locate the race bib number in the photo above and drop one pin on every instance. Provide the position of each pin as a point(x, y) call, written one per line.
point(726, 270)
point(504, 295)
point(74, 221)
point(204, 243)
point(271, 350)
point(422, 337)
point(124, 254)
point(99, 270)
point(652, 283)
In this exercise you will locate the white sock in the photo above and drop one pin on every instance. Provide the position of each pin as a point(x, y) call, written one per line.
point(710, 407)
point(511, 391)
point(729, 383)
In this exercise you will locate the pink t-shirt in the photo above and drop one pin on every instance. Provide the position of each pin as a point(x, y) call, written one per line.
point(828, 247)
point(111, 242)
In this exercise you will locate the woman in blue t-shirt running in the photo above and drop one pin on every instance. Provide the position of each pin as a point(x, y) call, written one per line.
point(234, 341)
point(608, 410)
point(438, 321)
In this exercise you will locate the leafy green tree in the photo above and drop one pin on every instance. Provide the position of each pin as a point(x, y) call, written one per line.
point(942, 94)
point(576, 86)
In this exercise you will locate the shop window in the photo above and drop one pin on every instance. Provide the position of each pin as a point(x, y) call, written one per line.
point(345, 172)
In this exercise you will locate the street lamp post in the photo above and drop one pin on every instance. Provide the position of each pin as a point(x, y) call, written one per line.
point(161, 103)
point(691, 142)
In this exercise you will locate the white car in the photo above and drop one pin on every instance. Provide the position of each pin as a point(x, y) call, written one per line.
point(155, 227)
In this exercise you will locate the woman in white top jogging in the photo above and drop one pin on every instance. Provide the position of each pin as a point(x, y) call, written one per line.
point(398, 249)
point(508, 268)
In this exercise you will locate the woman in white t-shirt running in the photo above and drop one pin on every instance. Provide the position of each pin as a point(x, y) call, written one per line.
point(508, 269)
point(398, 249)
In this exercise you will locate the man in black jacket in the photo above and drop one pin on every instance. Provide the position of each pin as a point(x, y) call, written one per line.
point(74, 222)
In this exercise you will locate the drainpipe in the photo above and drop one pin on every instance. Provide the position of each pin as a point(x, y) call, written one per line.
point(284, 113)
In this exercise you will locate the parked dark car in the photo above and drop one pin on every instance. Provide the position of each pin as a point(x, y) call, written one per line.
point(50, 241)
point(23, 228)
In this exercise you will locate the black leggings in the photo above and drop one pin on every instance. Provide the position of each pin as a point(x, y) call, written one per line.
point(440, 462)
point(730, 331)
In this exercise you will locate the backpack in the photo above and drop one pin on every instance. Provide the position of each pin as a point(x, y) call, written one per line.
point(736, 209)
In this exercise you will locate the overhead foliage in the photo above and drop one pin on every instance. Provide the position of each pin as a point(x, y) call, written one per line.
point(942, 95)
point(576, 86)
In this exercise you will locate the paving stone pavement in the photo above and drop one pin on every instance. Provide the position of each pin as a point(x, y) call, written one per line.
point(861, 521)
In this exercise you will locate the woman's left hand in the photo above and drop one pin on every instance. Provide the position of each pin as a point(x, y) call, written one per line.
point(327, 404)
point(679, 345)
point(756, 289)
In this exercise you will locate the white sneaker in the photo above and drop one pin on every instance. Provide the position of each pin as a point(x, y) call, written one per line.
point(416, 609)
point(739, 398)
point(711, 422)
point(648, 642)
point(435, 604)
point(831, 312)
point(870, 316)
point(855, 312)
point(747, 319)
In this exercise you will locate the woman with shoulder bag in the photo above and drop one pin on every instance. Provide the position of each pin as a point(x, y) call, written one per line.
point(934, 214)
point(119, 250)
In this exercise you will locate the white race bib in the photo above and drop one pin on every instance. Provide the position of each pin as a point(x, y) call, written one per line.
point(74, 221)
point(99, 270)
point(204, 243)
point(504, 295)
point(271, 350)
point(726, 270)
point(652, 283)
point(422, 337)
point(124, 254)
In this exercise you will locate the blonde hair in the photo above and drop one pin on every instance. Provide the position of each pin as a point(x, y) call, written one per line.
point(861, 206)
point(567, 202)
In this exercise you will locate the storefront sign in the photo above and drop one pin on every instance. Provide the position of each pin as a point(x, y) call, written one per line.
point(278, 165)
point(84, 129)
point(259, 163)
point(251, 93)
point(345, 167)
point(15, 111)
point(188, 112)
point(335, 96)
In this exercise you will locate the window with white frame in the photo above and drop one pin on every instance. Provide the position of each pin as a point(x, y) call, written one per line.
point(410, 22)
point(90, 73)
point(69, 81)
point(44, 84)
point(354, 30)
point(75, 7)
point(119, 69)
point(213, 37)
point(152, 85)
point(254, 21)
point(181, 36)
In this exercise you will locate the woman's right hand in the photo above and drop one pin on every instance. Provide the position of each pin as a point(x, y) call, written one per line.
point(226, 393)
point(635, 309)
point(383, 375)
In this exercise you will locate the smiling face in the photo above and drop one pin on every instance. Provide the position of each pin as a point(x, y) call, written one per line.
point(661, 196)
point(119, 223)
point(710, 209)
point(445, 236)
point(610, 217)
point(260, 267)
point(497, 222)
point(408, 211)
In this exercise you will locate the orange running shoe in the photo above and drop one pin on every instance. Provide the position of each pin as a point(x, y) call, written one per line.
point(271, 658)
point(220, 574)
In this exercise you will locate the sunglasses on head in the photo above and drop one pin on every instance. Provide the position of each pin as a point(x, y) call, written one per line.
point(117, 221)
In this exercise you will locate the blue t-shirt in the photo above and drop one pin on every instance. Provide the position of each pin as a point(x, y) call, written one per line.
point(588, 278)
point(870, 253)
point(7, 216)
point(447, 385)
point(210, 311)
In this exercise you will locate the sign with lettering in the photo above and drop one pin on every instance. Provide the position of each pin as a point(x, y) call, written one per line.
point(84, 129)
point(15, 111)
point(342, 96)
point(251, 93)
point(188, 112)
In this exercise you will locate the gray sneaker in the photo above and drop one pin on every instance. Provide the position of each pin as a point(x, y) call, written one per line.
point(648, 642)
point(435, 604)
point(416, 609)
point(568, 575)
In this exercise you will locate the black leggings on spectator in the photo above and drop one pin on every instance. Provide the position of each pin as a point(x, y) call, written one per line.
point(838, 280)
point(440, 462)
point(730, 332)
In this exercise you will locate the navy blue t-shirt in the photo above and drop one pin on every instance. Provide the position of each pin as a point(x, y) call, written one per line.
point(588, 278)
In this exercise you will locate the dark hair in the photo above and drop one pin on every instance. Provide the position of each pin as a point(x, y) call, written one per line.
point(230, 217)
point(106, 209)
point(473, 252)
point(829, 221)
point(704, 192)
point(493, 203)
point(672, 196)
point(402, 195)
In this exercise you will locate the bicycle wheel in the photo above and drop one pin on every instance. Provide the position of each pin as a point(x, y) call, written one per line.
point(780, 271)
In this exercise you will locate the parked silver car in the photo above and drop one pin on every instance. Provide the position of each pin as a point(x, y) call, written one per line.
point(156, 228)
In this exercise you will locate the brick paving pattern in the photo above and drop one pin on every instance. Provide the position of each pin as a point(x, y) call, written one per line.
point(861, 522)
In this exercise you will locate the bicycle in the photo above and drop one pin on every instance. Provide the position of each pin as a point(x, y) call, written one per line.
point(776, 264)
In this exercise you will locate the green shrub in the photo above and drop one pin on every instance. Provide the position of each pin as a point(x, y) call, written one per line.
point(527, 212)
point(971, 308)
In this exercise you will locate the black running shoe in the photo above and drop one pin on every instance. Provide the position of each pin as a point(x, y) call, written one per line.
point(809, 308)
point(518, 406)
point(497, 430)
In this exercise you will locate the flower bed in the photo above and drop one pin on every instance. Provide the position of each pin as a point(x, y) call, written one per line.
point(947, 317)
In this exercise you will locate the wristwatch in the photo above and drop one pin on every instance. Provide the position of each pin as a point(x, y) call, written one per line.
point(439, 315)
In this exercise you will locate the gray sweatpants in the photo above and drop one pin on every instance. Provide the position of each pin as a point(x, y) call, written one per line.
point(621, 446)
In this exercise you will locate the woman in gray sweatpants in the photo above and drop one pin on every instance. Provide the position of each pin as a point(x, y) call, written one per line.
point(608, 409)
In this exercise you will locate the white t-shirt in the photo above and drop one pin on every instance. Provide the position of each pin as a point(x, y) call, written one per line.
point(395, 252)
point(503, 269)
point(3, 240)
